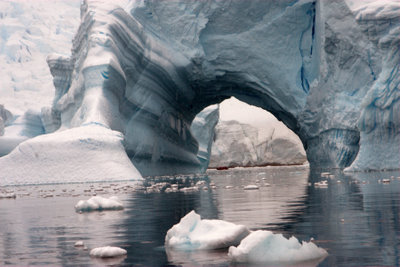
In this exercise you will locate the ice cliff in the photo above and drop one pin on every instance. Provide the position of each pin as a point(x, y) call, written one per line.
point(327, 69)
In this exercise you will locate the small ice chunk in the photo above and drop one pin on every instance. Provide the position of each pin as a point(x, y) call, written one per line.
point(8, 195)
point(99, 203)
point(265, 247)
point(251, 187)
point(107, 252)
point(200, 183)
point(322, 184)
point(189, 189)
point(325, 174)
point(193, 233)
point(79, 244)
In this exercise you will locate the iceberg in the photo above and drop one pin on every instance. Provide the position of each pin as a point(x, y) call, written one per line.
point(242, 145)
point(193, 233)
point(143, 70)
point(264, 247)
point(244, 136)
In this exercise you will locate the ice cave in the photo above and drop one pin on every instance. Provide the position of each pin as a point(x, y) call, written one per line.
point(140, 71)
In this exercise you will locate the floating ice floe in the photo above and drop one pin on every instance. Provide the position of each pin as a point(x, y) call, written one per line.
point(325, 174)
point(79, 244)
point(322, 184)
point(251, 187)
point(263, 247)
point(99, 203)
point(193, 233)
point(7, 195)
point(189, 189)
point(107, 252)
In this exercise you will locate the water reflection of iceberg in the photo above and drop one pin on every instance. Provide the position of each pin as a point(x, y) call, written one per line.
point(281, 190)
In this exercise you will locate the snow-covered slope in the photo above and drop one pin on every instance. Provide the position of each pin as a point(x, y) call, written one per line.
point(30, 31)
point(327, 69)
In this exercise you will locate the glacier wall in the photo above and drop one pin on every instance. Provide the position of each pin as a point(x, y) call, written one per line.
point(327, 69)
point(379, 122)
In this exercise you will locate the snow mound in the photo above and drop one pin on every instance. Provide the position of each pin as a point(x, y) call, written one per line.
point(107, 252)
point(193, 233)
point(266, 247)
point(89, 153)
point(99, 203)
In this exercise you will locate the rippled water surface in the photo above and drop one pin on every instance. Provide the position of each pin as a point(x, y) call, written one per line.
point(356, 218)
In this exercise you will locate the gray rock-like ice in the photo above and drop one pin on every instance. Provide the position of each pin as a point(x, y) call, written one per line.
point(244, 136)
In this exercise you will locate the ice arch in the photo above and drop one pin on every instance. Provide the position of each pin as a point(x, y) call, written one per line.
point(146, 68)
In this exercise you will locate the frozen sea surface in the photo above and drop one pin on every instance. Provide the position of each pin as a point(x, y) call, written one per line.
point(355, 217)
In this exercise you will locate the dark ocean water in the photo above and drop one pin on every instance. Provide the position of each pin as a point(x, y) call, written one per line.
point(356, 218)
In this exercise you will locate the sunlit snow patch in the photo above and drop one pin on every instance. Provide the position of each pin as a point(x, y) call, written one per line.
point(99, 203)
point(264, 247)
point(107, 252)
point(193, 233)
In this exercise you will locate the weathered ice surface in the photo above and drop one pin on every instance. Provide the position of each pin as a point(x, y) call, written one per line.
point(242, 145)
point(245, 136)
point(326, 69)
point(203, 129)
point(379, 123)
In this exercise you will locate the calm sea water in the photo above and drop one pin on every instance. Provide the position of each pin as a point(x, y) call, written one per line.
point(356, 218)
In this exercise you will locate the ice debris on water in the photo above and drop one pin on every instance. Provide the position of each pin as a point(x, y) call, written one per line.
point(193, 233)
point(107, 252)
point(98, 203)
point(321, 184)
point(257, 247)
point(251, 187)
point(7, 195)
point(266, 247)
point(79, 244)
